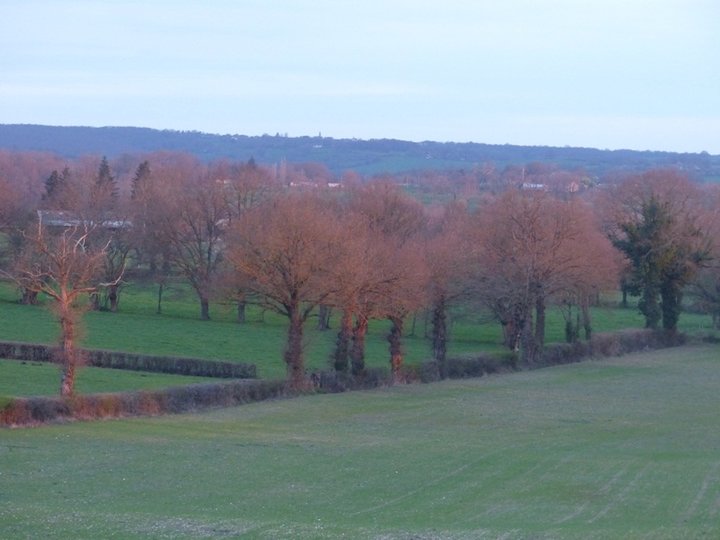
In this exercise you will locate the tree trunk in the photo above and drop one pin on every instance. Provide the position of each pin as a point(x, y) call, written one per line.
point(342, 345)
point(357, 351)
point(159, 298)
point(95, 301)
point(586, 319)
point(413, 324)
point(439, 335)
point(649, 307)
point(113, 298)
point(241, 308)
point(528, 349)
point(29, 297)
point(540, 322)
point(68, 357)
point(204, 309)
point(509, 333)
point(293, 351)
point(671, 296)
point(396, 352)
point(324, 313)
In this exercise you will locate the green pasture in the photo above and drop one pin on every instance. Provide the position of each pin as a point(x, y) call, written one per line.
point(40, 379)
point(620, 448)
point(136, 327)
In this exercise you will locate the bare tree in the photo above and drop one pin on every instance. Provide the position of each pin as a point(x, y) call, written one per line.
point(190, 218)
point(532, 247)
point(282, 251)
point(64, 266)
point(447, 246)
point(394, 222)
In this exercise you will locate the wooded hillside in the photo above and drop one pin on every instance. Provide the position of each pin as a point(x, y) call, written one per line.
point(366, 157)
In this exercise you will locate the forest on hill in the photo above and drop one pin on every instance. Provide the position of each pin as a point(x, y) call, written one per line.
point(366, 157)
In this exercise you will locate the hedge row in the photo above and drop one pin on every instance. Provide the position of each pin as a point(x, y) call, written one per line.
point(31, 352)
point(38, 410)
point(601, 345)
point(31, 411)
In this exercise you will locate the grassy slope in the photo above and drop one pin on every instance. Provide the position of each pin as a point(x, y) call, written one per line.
point(625, 448)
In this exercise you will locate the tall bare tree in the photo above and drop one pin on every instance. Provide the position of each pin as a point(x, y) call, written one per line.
point(532, 247)
point(190, 219)
point(65, 266)
point(283, 250)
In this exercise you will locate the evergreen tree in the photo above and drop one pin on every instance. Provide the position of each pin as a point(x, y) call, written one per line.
point(141, 176)
point(55, 184)
point(105, 182)
point(665, 250)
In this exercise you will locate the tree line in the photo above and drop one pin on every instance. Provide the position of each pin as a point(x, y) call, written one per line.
point(367, 250)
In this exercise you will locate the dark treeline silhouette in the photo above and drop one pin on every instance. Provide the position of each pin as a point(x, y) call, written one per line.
point(367, 157)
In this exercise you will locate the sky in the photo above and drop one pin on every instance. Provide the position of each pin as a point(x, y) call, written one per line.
point(615, 74)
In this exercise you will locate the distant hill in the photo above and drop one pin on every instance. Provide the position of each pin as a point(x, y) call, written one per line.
point(364, 156)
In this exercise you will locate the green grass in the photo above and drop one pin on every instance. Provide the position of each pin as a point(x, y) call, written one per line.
point(39, 379)
point(624, 448)
point(178, 331)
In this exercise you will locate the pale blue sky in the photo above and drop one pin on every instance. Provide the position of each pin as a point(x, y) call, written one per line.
point(639, 74)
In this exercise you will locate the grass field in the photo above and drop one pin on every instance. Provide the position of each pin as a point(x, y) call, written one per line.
point(39, 379)
point(622, 448)
point(178, 331)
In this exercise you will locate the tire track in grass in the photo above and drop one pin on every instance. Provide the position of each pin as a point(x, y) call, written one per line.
point(451, 474)
point(621, 496)
point(605, 488)
point(410, 493)
point(710, 478)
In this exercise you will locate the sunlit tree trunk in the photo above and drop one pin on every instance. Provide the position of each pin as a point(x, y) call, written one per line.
point(68, 354)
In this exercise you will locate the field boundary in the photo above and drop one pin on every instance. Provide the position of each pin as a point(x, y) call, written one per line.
point(33, 411)
point(196, 367)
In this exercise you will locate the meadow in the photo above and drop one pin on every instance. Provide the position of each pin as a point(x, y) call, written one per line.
point(136, 327)
point(619, 448)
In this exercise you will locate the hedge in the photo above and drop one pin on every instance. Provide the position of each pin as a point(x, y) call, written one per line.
point(31, 352)
point(30, 411)
point(38, 410)
point(601, 345)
